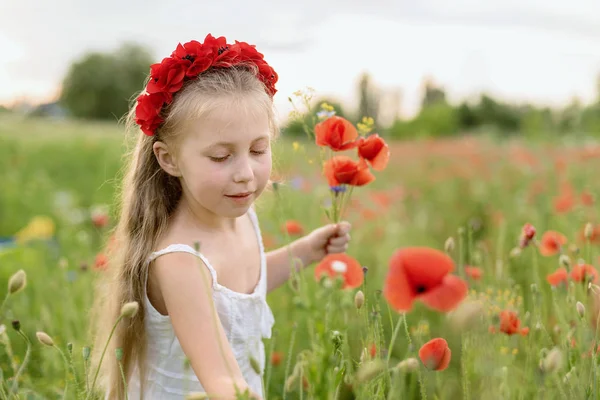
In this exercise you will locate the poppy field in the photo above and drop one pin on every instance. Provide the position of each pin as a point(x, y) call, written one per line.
point(471, 273)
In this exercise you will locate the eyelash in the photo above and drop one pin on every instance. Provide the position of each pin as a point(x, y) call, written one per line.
point(222, 159)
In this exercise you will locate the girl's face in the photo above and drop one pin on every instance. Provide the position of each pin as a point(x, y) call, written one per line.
point(224, 160)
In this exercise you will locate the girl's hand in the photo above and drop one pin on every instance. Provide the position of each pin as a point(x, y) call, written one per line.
point(328, 239)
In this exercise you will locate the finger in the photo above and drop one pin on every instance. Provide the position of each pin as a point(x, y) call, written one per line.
point(343, 228)
point(339, 241)
point(337, 249)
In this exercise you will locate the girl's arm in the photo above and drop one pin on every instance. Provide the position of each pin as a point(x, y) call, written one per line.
point(328, 239)
point(185, 285)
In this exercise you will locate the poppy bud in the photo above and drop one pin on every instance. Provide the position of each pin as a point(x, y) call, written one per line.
point(580, 309)
point(588, 231)
point(17, 282)
point(449, 245)
point(408, 365)
point(129, 309)
point(565, 261)
point(359, 299)
point(369, 370)
point(44, 338)
point(553, 361)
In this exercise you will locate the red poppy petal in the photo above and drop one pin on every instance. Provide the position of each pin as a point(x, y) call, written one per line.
point(363, 177)
point(329, 172)
point(435, 354)
point(353, 276)
point(381, 159)
point(397, 290)
point(425, 267)
point(446, 296)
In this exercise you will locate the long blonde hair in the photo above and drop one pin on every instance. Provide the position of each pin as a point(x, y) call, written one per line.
point(147, 198)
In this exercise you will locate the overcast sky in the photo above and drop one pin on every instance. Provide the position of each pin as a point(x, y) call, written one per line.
point(545, 51)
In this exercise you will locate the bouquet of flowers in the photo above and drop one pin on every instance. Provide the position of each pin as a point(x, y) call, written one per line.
point(334, 134)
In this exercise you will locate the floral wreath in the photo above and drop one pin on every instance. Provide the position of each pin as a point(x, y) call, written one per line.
point(187, 62)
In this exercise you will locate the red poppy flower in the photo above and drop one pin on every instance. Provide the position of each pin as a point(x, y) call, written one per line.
point(511, 324)
point(421, 273)
point(101, 262)
point(474, 273)
point(343, 170)
point(293, 227)
point(564, 203)
point(527, 235)
point(373, 350)
point(557, 277)
point(344, 265)
point(99, 217)
point(435, 354)
point(337, 133)
point(551, 243)
point(594, 237)
point(586, 198)
point(276, 358)
point(375, 150)
point(584, 273)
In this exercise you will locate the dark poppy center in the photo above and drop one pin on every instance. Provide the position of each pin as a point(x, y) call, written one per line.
point(222, 50)
point(420, 289)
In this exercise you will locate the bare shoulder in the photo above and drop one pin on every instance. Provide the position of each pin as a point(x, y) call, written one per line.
point(174, 273)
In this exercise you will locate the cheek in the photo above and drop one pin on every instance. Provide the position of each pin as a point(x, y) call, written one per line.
point(264, 167)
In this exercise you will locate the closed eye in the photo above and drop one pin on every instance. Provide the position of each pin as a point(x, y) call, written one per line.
point(219, 159)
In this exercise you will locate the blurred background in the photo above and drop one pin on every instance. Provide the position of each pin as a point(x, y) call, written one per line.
point(491, 110)
point(420, 69)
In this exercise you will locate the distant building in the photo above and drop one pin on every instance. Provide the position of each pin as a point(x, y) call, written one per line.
point(53, 110)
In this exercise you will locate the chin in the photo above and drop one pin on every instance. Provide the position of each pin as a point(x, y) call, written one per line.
point(234, 212)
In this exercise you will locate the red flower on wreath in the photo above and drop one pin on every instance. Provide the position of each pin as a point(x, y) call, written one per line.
point(188, 61)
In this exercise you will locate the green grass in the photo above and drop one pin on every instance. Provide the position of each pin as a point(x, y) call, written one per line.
point(488, 190)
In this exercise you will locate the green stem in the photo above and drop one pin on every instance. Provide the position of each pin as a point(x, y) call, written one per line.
point(461, 257)
point(269, 367)
point(87, 377)
point(124, 380)
point(67, 372)
point(3, 304)
point(465, 374)
point(406, 331)
point(422, 385)
point(394, 334)
point(289, 359)
point(102, 356)
point(15, 384)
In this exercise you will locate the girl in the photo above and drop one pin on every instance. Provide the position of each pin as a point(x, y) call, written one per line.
point(202, 158)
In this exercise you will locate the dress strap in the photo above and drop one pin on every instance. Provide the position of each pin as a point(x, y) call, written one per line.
point(184, 248)
point(263, 258)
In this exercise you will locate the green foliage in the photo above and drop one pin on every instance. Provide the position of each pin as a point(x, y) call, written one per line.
point(101, 85)
point(294, 127)
point(439, 119)
point(62, 169)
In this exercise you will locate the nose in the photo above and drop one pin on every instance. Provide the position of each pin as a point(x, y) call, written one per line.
point(243, 171)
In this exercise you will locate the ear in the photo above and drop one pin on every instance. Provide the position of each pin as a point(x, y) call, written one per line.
point(166, 159)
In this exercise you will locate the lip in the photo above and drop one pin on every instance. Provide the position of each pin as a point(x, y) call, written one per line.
point(240, 195)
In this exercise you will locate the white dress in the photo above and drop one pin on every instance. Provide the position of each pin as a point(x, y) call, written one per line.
point(246, 320)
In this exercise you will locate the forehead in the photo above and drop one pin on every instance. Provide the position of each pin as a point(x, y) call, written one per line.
point(232, 120)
